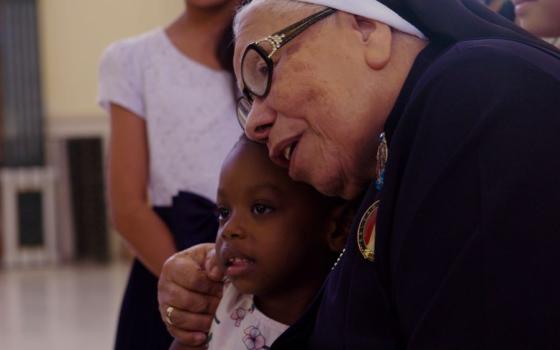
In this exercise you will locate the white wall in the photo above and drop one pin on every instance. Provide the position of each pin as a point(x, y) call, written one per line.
point(73, 34)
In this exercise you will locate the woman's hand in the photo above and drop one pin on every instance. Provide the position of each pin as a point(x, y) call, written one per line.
point(189, 290)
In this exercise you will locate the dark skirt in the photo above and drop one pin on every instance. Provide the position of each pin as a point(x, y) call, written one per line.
point(191, 219)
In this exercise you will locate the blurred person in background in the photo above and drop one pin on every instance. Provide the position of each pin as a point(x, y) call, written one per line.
point(170, 96)
point(540, 17)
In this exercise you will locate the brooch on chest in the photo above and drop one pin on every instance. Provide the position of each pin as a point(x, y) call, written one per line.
point(366, 232)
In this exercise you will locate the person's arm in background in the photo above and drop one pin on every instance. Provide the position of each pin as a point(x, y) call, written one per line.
point(130, 209)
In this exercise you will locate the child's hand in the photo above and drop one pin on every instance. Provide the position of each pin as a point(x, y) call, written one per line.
point(187, 297)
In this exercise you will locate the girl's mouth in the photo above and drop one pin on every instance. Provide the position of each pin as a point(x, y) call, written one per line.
point(238, 266)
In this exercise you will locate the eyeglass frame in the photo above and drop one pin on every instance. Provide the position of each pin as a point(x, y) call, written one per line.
point(277, 41)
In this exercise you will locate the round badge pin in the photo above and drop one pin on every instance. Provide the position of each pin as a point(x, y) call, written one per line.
point(366, 232)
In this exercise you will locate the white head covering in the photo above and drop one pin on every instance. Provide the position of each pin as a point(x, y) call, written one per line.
point(371, 9)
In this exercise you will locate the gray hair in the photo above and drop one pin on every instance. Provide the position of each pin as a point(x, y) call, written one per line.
point(271, 5)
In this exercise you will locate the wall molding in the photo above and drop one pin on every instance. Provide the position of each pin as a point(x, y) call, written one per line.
point(58, 132)
point(57, 128)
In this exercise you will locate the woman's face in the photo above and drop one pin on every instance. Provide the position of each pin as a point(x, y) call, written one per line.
point(317, 118)
point(540, 17)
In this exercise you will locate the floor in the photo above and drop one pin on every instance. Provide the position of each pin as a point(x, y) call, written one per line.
point(64, 308)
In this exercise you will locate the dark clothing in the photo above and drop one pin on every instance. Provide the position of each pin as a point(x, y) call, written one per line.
point(192, 220)
point(140, 325)
point(468, 236)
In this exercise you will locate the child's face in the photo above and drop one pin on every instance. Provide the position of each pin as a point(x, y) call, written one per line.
point(540, 17)
point(272, 234)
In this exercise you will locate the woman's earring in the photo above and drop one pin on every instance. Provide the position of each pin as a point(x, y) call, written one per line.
point(382, 154)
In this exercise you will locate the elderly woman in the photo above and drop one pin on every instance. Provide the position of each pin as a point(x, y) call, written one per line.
point(444, 117)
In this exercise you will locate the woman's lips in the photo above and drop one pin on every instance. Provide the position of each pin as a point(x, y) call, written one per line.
point(291, 165)
point(281, 152)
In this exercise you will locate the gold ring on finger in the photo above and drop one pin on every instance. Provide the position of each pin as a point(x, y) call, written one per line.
point(169, 312)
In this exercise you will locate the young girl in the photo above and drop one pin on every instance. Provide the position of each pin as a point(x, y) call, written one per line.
point(277, 241)
point(171, 102)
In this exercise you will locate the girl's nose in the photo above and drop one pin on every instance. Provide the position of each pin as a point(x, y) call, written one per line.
point(233, 229)
point(228, 234)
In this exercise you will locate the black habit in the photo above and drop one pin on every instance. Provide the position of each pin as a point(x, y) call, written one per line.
point(467, 248)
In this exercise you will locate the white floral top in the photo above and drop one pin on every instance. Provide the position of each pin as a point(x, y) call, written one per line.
point(239, 325)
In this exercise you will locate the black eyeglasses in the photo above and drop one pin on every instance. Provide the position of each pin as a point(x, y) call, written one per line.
point(257, 65)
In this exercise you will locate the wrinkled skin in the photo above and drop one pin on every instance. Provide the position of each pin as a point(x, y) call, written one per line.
point(316, 103)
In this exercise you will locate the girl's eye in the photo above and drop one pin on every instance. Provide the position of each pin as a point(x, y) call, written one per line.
point(261, 209)
point(223, 213)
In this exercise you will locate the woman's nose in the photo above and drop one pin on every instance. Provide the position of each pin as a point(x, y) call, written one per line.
point(259, 121)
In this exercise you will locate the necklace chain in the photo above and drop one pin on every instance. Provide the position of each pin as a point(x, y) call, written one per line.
point(338, 259)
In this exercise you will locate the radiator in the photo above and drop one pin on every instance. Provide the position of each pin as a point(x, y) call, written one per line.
point(28, 216)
